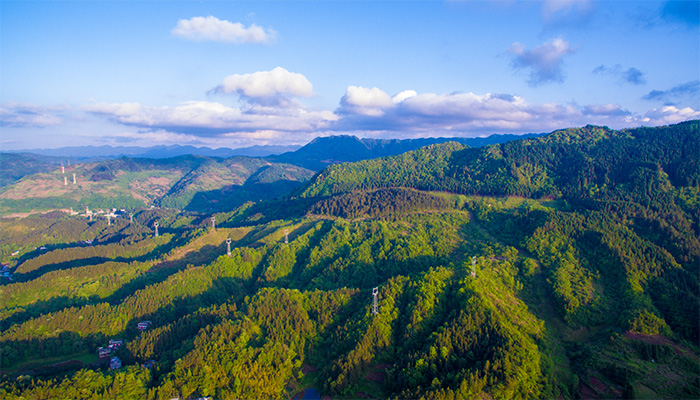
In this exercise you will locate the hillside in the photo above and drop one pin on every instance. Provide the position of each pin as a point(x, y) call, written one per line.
point(177, 182)
point(575, 161)
point(324, 151)
point(15, 166)
point(557, 267)
point(316, 155)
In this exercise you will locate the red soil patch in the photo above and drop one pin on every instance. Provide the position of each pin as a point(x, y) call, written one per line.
point(660, 340)
point(597, 385)
point(587, 393)
point(306, 368)
point(376, 376)
point(378, 373)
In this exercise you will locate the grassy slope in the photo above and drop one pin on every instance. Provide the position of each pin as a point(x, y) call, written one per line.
point(128, 183)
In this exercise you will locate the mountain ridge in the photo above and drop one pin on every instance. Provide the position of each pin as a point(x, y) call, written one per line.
point(162, 151)
point(324, 151)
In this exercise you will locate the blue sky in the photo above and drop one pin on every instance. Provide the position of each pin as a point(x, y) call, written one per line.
point(235, 74)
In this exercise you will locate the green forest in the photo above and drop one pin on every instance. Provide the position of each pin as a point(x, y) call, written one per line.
point(561, 266)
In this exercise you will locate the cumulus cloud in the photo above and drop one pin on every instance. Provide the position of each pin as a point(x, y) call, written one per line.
point(398, 98)
point(374, 112)
point(374, 109)
point(203, 118)
point(273, 87)
point(685, 91)
point(363, 101)
point(544, 61)
point(17, 115)
point(213, 29)
point(669, 115)
point(630, 75)
point(411, 114)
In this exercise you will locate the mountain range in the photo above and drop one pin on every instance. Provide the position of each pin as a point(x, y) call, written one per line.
point(315, 155)
point(93, 153)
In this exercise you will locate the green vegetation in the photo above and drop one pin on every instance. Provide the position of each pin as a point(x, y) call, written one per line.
point(185, 182)
point(558, 267)
point(15, 166)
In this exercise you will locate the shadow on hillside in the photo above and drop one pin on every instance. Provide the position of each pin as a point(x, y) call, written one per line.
point(83, 262)
point(158, 273)
point(45, 306)
point(68, 342)
point(267, 211)
point(232, 196)
point(252, 238)
point(161, 271)
point(222, 290)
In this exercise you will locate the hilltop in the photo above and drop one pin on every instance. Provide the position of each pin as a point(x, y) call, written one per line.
point(324, 151)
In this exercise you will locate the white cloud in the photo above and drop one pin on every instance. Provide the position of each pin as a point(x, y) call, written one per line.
point(30, 115)
point(544, 61)
point(267, 87)
point(403, 96)
point(364, 101)
point(204, 118)
point(213, 29)
point(368, 111)
point(669, 115)
point(373, 112)
point(373, 109)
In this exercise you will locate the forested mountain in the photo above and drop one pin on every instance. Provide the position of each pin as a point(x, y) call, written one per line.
point(13, 166)
point(571, 162)
point(316, 155)
point(185, 182)
point(324, 151)
point(564, 266)
point(224, 185)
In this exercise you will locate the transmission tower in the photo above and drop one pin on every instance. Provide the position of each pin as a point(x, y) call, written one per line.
point(74, 181)
point(473, 267)
point(375, 292)
point(228, 247)
point(65, 181)
point(131, 218)
point(155, 224)
point(286, 236)
point(109, 220)
point(213, 223)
